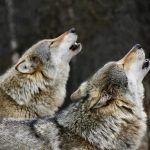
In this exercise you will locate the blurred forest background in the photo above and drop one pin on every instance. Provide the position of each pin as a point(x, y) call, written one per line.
point(107, 29)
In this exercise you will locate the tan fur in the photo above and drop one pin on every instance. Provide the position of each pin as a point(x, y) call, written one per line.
point(107, 114)
point(36, 85)
point(128, 59)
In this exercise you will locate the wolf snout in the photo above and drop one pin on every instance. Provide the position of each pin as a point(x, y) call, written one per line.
point(137, 46)
point(139, 51)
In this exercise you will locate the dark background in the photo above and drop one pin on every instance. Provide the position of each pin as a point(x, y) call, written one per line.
point(107, 29)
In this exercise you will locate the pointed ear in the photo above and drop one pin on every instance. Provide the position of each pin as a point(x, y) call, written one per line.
point(80, 92)
point(27, 66)
point(94, 98)
point(98, 100)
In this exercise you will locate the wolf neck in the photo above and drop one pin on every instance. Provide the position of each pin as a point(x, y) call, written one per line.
point(86, 126)
point(136, 91)
point(44, 96)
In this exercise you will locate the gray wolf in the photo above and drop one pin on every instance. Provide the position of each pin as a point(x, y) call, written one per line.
point(36, 85)
point(106, 113)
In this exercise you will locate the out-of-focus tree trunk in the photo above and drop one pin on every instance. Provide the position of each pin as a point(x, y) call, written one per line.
point(11, 24)
point(5, 56)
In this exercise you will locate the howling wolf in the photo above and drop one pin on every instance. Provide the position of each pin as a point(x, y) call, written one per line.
point(36, 85)
point(106, 113)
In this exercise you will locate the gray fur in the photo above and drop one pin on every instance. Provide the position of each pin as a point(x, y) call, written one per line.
point(36, 85)
point(105, 116)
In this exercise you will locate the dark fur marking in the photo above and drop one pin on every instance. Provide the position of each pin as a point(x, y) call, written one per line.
point(127, 121)
point(128, 145)
point(113, 131)
point(84, 98)
point(127, 109)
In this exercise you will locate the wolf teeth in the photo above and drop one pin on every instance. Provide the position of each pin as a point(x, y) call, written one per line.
point(146, 64)
point(74, 46)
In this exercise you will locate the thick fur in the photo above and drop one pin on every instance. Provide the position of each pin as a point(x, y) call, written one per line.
point(36, 85)
point(105, 114)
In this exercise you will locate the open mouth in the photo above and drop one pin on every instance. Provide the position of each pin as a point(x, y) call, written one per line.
point(75, 46)
point(146, 64)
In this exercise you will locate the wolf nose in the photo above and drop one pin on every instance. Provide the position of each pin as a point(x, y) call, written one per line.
point(138, 46)
point(72, 30)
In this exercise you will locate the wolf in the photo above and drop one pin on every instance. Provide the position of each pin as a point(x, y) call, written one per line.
point(106, 113)
point(36, 85)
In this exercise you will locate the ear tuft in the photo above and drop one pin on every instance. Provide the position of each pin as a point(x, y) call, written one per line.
point(94, 98)
point(98, 101)
point(26, 67)
point(80, 92)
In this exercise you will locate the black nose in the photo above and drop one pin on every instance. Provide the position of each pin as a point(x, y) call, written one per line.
point(138, 46)
point(72, 30)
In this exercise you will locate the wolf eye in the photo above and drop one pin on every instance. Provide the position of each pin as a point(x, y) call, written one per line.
point(52, 43)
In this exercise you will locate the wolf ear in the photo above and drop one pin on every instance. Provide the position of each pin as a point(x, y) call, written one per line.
point(80, 92)
point(27, 66)
point(98, 101)
point(93, 98)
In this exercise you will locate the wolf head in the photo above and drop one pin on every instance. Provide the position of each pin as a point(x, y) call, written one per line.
point(120, 78)
point(109, 112)
point(135, 64)
point(48, 54)
point(42, 72)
